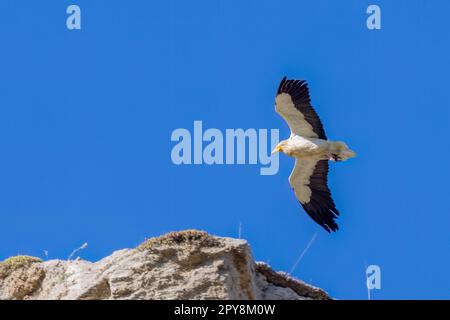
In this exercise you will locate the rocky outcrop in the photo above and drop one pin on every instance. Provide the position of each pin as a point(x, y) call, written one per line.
point(179, 265)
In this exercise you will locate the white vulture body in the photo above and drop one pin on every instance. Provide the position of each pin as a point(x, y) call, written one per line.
point(308, 144)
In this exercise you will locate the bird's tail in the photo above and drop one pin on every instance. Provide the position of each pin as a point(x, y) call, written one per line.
point(340, 151)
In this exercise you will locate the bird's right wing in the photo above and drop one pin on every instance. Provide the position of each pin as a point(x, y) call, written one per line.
point(294, 105)
point(309, 181)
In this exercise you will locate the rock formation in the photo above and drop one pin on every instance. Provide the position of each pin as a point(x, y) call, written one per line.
point(179, 265)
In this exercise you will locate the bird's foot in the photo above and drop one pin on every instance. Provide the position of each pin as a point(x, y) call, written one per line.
point(335, 157)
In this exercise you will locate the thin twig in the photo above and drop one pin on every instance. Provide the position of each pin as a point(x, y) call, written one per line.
point(304, 252)
point(83, 246)
point(240, 230)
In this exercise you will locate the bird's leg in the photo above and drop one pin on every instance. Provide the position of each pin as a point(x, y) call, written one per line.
point(335, 157)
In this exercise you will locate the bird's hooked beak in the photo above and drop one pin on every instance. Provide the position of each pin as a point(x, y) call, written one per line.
point(278, 148)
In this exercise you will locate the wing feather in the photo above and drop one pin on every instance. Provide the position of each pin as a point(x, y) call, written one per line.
point(309, 181)
point(294, 105)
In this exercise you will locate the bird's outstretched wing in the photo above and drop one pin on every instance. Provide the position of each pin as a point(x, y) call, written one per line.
point(294, 105)
point(309, 181)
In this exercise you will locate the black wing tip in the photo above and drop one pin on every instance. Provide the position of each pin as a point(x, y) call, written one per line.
point(290, 86)
point(280, 87)
point(332, 228)
point(323, 216)
point(329, 226)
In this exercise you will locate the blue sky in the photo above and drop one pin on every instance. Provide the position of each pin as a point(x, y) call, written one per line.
point(86, 118)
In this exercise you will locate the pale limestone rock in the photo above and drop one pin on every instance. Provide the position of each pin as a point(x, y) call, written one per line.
point(180, 265)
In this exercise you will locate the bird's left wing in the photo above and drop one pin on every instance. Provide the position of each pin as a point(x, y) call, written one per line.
point(294, 105)
point(309, 181)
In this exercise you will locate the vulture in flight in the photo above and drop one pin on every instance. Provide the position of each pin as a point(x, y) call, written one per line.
point(309, 145)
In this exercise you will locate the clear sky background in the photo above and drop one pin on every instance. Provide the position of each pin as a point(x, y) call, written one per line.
point(86, 118)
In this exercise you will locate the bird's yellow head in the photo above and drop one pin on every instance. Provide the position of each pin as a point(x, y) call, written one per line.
point(278, 148)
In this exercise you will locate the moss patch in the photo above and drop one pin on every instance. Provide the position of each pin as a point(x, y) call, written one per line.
point(189, 237)
point(19, 261)
point(9, 265)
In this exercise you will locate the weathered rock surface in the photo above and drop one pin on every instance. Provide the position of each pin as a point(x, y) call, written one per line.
point(180, 265)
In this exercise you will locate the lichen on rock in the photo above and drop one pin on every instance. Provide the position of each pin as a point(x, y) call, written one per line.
point(16, 262)
point(20, 277)
point(189, 237)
